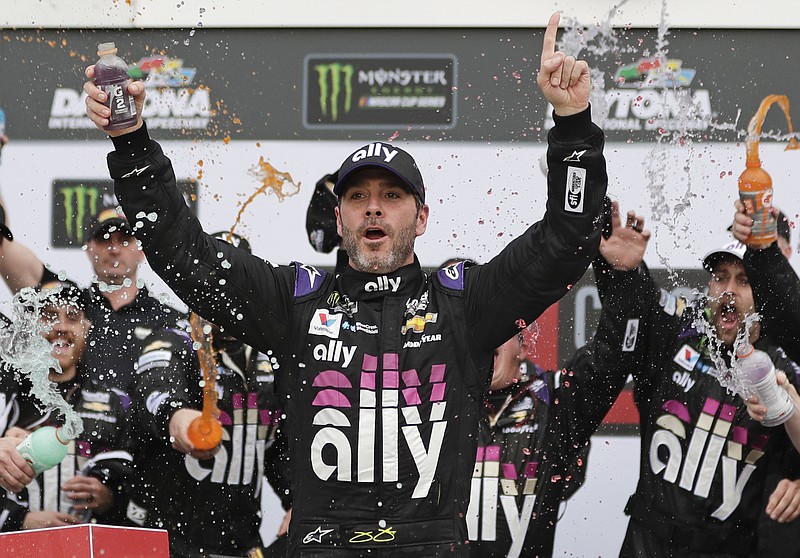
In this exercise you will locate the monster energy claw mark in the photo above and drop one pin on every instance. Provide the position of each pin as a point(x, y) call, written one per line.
point(340, 74)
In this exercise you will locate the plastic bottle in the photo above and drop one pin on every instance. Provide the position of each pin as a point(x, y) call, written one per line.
point(755, 184)
point(68, 505)
point(758, 375)
point(111, 75)
point(43, 448)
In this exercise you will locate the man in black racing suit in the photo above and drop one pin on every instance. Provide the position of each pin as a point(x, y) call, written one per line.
point(703, 459)
point(209, 502)
point(90, 483)
point(385, 366)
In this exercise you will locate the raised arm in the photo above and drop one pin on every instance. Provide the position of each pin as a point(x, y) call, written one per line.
point(234, 289)
point(19, 266)
point(538, 268)
point(776, 286)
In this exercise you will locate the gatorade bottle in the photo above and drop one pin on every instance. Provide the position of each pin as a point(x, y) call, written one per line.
point(758, 375)
point(111, 75)
point(755, 185)
point(43, 448)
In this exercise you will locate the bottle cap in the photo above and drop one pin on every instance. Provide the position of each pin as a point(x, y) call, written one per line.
point(106, 48)
point(744, 350)
point(63, 442)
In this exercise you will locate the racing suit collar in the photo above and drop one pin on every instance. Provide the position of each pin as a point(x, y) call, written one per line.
point(359, 285)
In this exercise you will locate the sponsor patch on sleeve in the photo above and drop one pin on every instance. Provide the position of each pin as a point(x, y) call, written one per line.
point(575, 189)
point(153, 359)
point(631, 333)
point(155, 400)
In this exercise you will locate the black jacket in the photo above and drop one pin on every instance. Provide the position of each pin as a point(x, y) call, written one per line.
point(703, 459)
point(210, 506)
point(383, 374)
point(100, 451)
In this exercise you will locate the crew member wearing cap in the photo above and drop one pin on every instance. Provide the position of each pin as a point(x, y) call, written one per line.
point(120, 307)
point(383, 367)
point(91, 482)
point(209, 501)
point(703, 458)
point(776, 291)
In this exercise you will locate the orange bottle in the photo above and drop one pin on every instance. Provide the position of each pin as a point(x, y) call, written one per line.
point(755, 184)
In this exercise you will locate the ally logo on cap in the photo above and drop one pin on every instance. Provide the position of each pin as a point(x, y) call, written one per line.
point(386, 152)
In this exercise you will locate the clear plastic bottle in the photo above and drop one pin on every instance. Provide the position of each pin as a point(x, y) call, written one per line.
point(758, 375)
point(68, 505)
point(43, 448)
point(111, 75)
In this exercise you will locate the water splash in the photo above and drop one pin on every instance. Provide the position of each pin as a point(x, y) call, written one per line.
point(30, 355)
point(728, 375)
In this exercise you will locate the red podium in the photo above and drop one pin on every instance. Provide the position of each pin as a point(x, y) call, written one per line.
point(85, 541)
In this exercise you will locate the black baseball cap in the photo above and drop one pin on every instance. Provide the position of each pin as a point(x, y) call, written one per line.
point(4, 230)
point(108, 221)
point(320, 216)
point(733, 249)
point(64, 293)
point(784, 227)
point(234, 239)
point(385, 156)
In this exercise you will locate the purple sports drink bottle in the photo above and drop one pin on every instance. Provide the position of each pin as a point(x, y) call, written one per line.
point(111, 75)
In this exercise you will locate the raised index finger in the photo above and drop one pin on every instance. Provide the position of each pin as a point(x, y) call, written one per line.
point(549, 43)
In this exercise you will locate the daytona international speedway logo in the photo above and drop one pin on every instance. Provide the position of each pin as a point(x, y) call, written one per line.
point(371, 91)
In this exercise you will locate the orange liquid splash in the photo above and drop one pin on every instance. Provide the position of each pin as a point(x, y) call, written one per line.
point(272, 180)
point(755, 184)
point(205, 432)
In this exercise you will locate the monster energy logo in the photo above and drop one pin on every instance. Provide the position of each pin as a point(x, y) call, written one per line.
point(76, 200)
point(339, 76)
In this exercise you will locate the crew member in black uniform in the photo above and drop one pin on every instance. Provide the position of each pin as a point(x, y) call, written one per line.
point(703, 459)
point(121, 309)
point(90, 484)
point(386, 366)
point(532, 450)
point(209, 501)
point(776, 290)
point(15, 472)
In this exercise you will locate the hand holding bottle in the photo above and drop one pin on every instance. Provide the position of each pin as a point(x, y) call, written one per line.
point(87, 493)
point(44, 448)
point(179, 434)
point(15, 472)
point(758, 410)
point(98, 111)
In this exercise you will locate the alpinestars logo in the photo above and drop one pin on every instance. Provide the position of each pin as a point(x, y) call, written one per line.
point(493, 481)
point(362, 425)
point(136, 171)
point(693, 455)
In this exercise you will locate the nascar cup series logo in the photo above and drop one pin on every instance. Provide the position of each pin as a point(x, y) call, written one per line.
point(173, 100)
